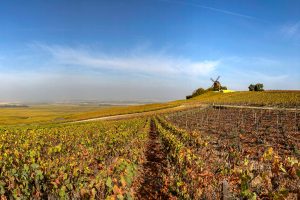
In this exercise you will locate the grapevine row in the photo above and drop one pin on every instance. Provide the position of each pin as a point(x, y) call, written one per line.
point(192, 139)
point(259, 162)
point(187, 179)
point(91, 160)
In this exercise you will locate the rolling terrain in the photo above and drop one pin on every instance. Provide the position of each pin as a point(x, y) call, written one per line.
point(45, 114)
point(187, 149)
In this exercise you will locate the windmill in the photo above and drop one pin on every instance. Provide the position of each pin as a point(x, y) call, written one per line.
point(216, 84)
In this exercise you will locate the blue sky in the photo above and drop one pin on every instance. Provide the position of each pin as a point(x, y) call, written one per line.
point(63, 50)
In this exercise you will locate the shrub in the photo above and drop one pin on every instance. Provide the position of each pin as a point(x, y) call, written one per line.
point(256, 87)
point(251, 87)
point(197, 92)
point(189, 96)
point(259, 87)
point(223, 88)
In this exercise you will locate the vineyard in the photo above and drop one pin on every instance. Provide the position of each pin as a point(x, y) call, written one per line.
point(150, 100)
point(86, 161)
point(251, 153)
point(199, 153)
point(267, 98)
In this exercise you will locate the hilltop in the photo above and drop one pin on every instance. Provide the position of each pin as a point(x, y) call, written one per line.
point(278, 98)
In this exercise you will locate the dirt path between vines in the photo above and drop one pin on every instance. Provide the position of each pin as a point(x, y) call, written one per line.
point(154, 168)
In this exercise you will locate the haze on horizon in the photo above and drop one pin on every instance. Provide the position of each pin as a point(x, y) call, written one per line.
point(159, 50)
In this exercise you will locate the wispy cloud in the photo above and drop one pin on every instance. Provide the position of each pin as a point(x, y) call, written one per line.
point(255, 61)
point(262, 77)
point(227, 12)
point(239, 72)
point(132, 62)
point(291, 30)
point(31, 83)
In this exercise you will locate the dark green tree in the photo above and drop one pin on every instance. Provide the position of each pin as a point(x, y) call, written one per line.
point(256, 87)
point(223, 88)
point(197, 92)
point(251, 87)
point(259, 87)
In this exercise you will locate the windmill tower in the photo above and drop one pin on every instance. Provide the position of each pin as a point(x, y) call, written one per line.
point(216, 84)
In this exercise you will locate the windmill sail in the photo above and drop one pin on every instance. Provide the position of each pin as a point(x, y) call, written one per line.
point(216, 84)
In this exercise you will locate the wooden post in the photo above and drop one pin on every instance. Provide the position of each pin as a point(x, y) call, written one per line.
point(296, 128)
point(207, 119)
point(242, 121)
point(225, 190)
point(277, 123)
point(219, 118)
point(186, 121)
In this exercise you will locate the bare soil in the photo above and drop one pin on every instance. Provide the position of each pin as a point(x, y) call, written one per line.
point(154, 169)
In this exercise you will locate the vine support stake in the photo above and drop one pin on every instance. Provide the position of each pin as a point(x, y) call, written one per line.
point(225, 190)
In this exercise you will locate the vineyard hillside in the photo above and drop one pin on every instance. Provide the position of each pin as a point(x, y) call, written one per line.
point(266, 98)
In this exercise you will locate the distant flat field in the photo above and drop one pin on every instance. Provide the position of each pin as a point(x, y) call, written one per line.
point(49, 114)
point(41, 113)
point(63, 113)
